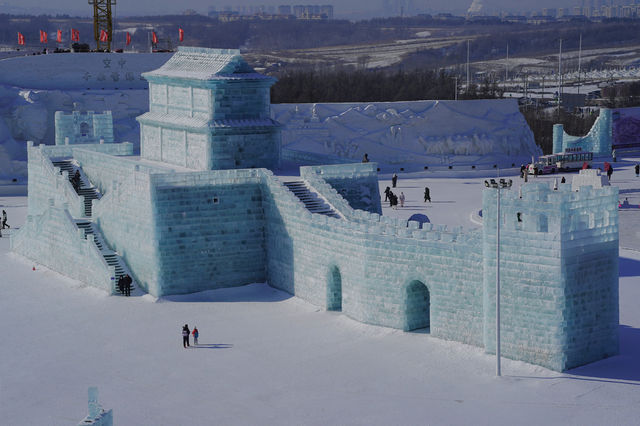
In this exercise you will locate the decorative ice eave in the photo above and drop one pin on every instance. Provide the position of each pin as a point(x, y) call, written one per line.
point(200, 125)
point(205, 66)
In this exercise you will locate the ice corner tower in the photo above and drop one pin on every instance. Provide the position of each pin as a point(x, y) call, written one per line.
point(209, 110)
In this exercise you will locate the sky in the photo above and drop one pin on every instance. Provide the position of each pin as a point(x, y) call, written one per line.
point(146, 7)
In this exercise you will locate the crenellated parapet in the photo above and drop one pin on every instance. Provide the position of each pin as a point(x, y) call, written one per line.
point(558, 273)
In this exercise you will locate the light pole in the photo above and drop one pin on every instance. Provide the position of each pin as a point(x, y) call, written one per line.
point(500, 184)
point(455, 88)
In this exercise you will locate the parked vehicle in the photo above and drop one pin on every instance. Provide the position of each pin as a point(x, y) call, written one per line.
point(573, 159)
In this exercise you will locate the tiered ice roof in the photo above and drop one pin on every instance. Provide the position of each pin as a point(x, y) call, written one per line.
point(198, 63)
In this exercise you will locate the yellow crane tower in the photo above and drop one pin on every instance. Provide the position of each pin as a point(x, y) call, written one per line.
point(102, 22)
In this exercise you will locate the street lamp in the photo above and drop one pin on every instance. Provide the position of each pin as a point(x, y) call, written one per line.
point(500, 184)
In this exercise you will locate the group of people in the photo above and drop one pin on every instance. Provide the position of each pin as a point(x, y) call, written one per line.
point(124, 284)
point(185, 335)
point(393, 198)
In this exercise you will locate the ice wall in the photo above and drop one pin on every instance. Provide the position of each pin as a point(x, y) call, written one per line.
point(406, 133)
point(54, 240)
point(598, 140)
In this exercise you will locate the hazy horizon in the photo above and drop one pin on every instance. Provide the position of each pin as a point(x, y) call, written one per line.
point(345, 7)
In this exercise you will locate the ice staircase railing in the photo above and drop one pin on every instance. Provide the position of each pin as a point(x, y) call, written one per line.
point(62, 183)
point(368, 223)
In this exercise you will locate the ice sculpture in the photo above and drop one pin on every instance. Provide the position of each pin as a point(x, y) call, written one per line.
point(598, 140)
point(323, 238)
point(97, 415)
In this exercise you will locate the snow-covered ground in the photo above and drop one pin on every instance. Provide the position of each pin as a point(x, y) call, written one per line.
point(268, 358)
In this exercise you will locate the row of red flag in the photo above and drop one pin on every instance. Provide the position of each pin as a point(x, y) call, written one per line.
point(104, 36)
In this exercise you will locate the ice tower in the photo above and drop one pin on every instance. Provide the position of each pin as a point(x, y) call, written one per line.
point(178, 224)
point(209, 110)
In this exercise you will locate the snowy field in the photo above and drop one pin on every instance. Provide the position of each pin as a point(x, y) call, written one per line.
point(267, 358)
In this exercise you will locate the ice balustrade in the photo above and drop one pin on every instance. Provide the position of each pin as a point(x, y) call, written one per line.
point(53, 239)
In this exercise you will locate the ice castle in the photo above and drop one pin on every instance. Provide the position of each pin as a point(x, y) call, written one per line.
point(201, 209)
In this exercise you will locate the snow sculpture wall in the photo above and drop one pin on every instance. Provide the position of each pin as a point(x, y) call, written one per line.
point(83, 127)
point(419, 133)
point(209, 110)
point(598, 140)
point(559, 274)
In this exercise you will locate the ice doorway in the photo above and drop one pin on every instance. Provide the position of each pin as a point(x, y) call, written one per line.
point(334, 289)
point(417, 307)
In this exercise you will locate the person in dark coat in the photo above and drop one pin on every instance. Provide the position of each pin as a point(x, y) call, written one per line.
point(394, 201)
point(127, 284)
point(563, 180)
point(391, 195)
point(609, 172)
point(121, 284)
point(637, 169)
point(185, 336)
point(386, 193)
point(365, 159)
point(4, 220)
point(427, 194)
point(394, 180)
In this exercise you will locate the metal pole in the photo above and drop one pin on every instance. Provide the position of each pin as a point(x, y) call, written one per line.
point(498, 373)
point(467, 66)
point(579, 63)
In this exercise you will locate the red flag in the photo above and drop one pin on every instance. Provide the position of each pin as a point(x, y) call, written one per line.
point(20, 39)
point(181, 33)
point(128, 38)
point(154, 37)
point(75, 35)
point(43, 37)
point(59, 36)
point(104, 36)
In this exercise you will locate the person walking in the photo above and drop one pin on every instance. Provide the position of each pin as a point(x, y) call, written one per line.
point(427, 194)
point(185, 336)
point(365, 159)
point(394, 202)
point(637, 169)
point(394, 180)
point(609, 173)
point(195, 335)
point(563, 180)
point(4, 220)
point(386, 194)
point(391, 195)
point(401, 198)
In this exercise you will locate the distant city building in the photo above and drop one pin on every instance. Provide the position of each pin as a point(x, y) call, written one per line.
point(284, 9)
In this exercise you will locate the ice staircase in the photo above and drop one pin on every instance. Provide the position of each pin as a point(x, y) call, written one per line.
point(89, 192)
point(92, 230)
point(312, 201)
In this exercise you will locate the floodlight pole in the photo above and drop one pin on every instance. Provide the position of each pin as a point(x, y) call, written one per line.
point(498, 373)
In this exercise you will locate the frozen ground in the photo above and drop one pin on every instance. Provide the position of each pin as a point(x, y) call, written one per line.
point(269, 358)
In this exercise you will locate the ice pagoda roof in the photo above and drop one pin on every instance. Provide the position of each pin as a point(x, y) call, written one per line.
point(198, 63)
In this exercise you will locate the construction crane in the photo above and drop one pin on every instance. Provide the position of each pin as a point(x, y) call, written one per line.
point(102, 22)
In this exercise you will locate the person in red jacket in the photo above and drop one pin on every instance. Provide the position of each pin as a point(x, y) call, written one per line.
point(195, 335)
